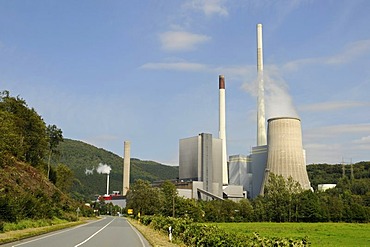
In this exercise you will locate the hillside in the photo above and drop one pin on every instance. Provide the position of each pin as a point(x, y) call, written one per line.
point(331, 174)
point(81, 157)
point(26, 193)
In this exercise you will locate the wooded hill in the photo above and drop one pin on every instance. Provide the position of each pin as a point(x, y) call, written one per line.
point(81, 158)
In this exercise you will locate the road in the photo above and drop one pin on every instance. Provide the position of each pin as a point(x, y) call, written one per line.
point(109, 231)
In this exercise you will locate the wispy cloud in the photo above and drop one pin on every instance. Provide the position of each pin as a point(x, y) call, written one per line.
point(208, 7)
point(363, 140)
point(335, 105)
point(181, 66)
point(237, 72)
point(348, 128)
point(177, 41)
point(321, 148)
point(350, 53)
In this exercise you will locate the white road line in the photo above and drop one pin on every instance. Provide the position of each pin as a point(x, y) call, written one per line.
point(101, 229)
point(137, 233)
point(50, 235)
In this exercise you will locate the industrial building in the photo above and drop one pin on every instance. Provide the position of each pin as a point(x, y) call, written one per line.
point(203, 159)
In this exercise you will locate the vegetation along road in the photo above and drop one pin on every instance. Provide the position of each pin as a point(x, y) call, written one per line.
point(110, 231)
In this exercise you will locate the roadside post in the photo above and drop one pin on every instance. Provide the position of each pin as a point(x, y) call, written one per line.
point(78, 211)
point(170, 233)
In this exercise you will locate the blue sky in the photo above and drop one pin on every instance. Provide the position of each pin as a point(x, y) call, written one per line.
point(147, 71)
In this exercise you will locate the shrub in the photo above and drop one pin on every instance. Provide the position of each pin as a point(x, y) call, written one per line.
point(196, 234)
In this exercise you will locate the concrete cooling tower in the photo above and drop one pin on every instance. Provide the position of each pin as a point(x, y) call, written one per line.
point(285, 153)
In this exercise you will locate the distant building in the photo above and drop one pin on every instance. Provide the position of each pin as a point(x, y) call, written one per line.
point(201, 161)
point(323, 187)
point(200, 170)
point(240, 172)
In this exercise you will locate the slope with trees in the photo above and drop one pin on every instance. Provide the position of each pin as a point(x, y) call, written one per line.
point(83, 159)
point(26, 192)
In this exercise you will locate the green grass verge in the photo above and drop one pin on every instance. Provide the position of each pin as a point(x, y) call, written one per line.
point(319, 234)
point(27, 228)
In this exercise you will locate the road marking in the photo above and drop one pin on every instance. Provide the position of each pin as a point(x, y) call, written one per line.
point(137, 233)
point(69, 229)
point(101, 229)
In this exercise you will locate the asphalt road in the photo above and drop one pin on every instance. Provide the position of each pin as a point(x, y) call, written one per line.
point(109, 231)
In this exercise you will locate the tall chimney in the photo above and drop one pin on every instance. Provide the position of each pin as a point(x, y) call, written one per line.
point(107, 184)
point(126, 168)
point(222, 128)
point(261, 121)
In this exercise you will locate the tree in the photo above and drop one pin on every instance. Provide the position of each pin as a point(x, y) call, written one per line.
point(64, 178)
point(309, 209)
point(55, 136)
point(143, 199)
point(280, 197)
point(27, 127)
point(169, 192)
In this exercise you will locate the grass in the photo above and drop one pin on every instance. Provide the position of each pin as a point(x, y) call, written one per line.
point(27, 228)
point(319, 234)
point(155, 238)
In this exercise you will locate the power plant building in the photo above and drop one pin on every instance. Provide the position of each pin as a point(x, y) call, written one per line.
point(200, 160)
point(240, 172)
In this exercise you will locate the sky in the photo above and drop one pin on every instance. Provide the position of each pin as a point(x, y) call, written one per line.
point(147, 71)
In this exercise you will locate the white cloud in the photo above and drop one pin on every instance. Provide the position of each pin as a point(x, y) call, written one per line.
point(181, 40)
point(335, 130)
point(181, 66)
point(208, 7)
point(351, 52)
point(237, 72)
point(363, 140)
point(335, 105)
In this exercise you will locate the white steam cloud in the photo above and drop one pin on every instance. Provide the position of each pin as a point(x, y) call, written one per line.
point(278, 102)
point(103, 169)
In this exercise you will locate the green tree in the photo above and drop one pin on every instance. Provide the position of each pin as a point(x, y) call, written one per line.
point(143, 199)
point(246, 211)
point(55, 137)
point(308, 208)
point(10, 139)
point(64, 178)
point(29, 127)
point(281, 198)
point(170, 198)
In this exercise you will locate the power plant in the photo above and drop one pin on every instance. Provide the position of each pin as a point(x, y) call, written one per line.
point(203, 159)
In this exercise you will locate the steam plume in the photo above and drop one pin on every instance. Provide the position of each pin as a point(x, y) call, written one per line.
point(103, 169)
point(278, 102)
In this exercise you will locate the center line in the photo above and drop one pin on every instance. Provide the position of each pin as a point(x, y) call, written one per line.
point(94, 234)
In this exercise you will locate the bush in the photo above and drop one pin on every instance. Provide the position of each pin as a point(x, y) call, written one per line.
point(196, 234)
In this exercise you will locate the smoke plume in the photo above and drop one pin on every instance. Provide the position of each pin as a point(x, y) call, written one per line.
point(103, 169)
point(278, 102)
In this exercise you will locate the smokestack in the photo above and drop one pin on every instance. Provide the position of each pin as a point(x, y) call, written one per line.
point(222, 128)
point(107, 184)
point(261, 121)
point(126, 167)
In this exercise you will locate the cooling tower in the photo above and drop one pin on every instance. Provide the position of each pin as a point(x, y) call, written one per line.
point(261, 120)
point(126, 167)
point(285, 153)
